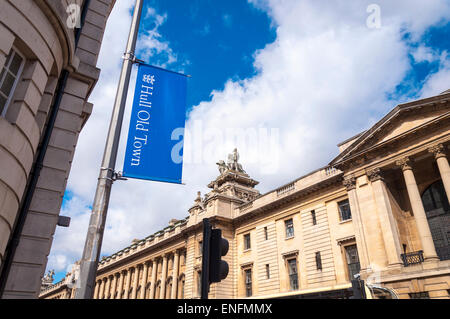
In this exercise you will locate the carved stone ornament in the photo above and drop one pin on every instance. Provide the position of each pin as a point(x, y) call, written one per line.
point(349, 182)
point(232, 163)
point(404, 163)
point(374, 174)
point(437, 150)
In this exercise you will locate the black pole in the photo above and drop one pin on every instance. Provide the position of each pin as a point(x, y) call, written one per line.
point(205, 258)
point(36, 170)
point(358, 288)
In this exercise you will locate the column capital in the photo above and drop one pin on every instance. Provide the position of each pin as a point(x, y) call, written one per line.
point(437, 150)
point(349, 182)
point(404, 163)
point(375, 174)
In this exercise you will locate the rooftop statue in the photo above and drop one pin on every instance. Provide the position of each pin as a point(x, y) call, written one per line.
point(47, 280)
point(232, 163)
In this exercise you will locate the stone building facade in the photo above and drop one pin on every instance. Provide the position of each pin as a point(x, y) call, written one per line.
point(380, 209)
point(39, 41)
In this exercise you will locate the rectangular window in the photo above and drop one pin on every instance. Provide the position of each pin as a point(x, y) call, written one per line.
point(318, 261)
point(247, 242)
point(289, 224)
point(267, 271)
point(344, 210)
point(313, 216)
point(354, 267)
point(266, 234)
point(248, 282)
point(9, 77)
point(419, 295)
point(200, 248)
point(292, 270)
point(199, 283)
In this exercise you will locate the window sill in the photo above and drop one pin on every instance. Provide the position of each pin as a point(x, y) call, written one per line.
point(345, 221)
point(287, 238)
point(247, 250)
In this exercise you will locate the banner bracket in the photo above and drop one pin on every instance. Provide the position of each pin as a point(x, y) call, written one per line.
point(132, 58)
point(117, 176)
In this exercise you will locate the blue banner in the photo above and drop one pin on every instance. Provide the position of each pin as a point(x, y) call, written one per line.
point(155, 139)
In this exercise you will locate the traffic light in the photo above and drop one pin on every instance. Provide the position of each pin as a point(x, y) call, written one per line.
point(218, 268)
point(214, 247)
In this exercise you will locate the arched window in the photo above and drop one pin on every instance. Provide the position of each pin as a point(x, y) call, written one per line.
point(181, 287)
point(158, 289)
point(199, 283)
point(138, 292)
point(437, 209)
point(168, 288)
point(147, 290)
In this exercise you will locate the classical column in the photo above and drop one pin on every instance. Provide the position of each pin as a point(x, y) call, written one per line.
point(350, 184)
point(388, 223)
point(444, 168)
point(163, 278)
point(135, 282)
point(102, 289)
point(176, 258)
point(127, 285)
point(144, 280)
point(114, 287)
point(97, 286)
point(108, 287)
point(153, 283)
point(418, 210)
point(121, 276)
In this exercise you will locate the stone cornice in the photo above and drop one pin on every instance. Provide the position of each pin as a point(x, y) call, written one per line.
point(345, 240)
point(233, 176)
point(183, 235)
point(247, 264)
point(412, 152)
point(292, 253)
point(358, 154)
point(281, 201)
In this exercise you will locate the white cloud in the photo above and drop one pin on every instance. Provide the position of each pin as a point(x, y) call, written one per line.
point(424, 54)
point(324, 79)
point(440, 81)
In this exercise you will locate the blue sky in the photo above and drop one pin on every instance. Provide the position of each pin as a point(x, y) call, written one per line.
point(214, 40)
point(313, 71)
point(437, 38)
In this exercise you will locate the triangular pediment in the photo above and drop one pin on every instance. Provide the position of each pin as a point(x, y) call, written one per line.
point(405, 119)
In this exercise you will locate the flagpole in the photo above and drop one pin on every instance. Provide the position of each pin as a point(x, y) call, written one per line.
point(88, 266)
